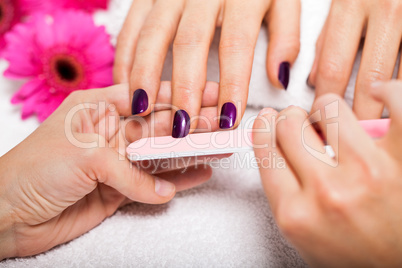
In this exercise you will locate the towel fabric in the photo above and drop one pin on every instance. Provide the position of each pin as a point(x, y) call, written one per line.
point(226, 222)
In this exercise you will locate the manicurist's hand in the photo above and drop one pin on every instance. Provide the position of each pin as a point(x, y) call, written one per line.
point(343, 211)
point(72, 173)
point(151, 26)
point(380, 21)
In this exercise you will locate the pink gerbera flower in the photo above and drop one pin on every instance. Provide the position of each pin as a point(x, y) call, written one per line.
point(11, 12)
point(58, 54)
point(51, 5)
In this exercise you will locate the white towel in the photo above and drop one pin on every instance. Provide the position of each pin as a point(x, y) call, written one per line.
point(226, 222)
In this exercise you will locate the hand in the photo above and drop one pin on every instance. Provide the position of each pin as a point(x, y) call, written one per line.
point(381, 23)
point(152, 25)
point(342, 211)
point(68, 175)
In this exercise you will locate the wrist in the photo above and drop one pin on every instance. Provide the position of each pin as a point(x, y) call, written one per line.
point(7, 243)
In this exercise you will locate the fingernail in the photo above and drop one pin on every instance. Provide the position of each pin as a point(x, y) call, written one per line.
point(181, 124)
point(140, 102)
point(308, 83)
point(266, 111)
point(228, 116)
point(164, 188)
point(377, 84)
point(284, 72)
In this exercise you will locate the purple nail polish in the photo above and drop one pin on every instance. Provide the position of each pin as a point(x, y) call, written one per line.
point(228, 116)
point(181, 124)
point(140, 102)
point(284, 72)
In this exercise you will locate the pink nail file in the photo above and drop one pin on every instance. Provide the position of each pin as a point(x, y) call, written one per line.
point(213, 143)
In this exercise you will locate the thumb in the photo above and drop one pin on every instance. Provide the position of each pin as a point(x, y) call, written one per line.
point(113, 169)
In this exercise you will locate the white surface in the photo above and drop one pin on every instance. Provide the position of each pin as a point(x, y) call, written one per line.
point(225, 222)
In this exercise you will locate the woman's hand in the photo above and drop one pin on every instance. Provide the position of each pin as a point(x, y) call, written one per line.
point(342, 211)
point(152, 25)
point(381, 23)
point(68, 175)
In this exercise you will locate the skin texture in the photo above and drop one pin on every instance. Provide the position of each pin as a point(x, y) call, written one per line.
point(380, 23)
point(152, 25)
point(52, 190)
point(341, 211)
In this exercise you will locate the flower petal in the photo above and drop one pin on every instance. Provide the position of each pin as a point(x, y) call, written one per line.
point(28, 90)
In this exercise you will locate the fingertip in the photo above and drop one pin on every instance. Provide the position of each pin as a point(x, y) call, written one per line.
point(284, 74)
point(283, 51)
point(181, 124)
point(164, 188)
point(375, 89)
point(228, 116)
point(279, 73)
point(266, 111)
point(263, 126)
point(309, 83)
point(140, 102)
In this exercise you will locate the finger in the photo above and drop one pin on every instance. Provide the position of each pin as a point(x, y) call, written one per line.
point(190, 56)
point(105, 165)
point(115, 98)
point(184, 179)
point(311, 79)
point(209, 96)
point(236, 52)
point(378, 61)
point(155, 37)
point(278, 180)
point(189, 177)
point(127, 39)
point(340, 47)
point(301, 146)
point(342, 130)
point(284, 40)
point(390, 94)
point(158, 124)
point(157, 166)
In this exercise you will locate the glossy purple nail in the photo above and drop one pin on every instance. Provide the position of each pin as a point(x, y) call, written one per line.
point(228, 116)
point(140, 102)
point(284, 73)
point(181, 124)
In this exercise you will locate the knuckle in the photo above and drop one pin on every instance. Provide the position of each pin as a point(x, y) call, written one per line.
point(121, 39)
point(369, 172)
point(292, 219)
point(332, 71)
point(322, 101)
point(75, 96)
point(233, 85)
point(375, 74)
point(93, 153)
point(391, 6)
point(332, 199)
point(150, 30)
point(190, 37)
point(343, 2)
point(185, 87)
point(290, 43)
point(139, 179)
point(236, 43)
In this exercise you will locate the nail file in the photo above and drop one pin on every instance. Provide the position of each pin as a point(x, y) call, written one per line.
point(214, 143)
